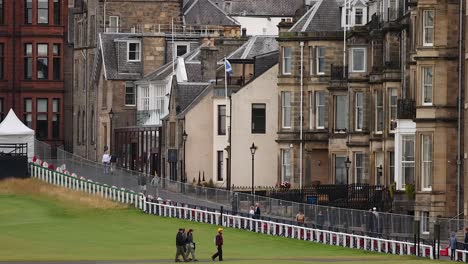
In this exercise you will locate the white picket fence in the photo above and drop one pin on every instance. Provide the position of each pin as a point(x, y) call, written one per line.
point(217, 218)
point(73, 182)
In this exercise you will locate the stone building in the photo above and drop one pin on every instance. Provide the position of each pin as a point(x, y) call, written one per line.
point(90, 19)
point(379, 119)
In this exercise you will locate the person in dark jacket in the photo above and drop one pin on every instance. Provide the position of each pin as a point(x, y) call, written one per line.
point(180, 245)
point(257, 211)
point(453, 246)
point(190, 245)
point(219, 245)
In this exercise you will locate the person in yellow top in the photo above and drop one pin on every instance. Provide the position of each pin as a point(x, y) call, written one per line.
point(300, 218)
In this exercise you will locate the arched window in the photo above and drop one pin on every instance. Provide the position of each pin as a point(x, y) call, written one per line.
point(83, 118)
point(78, 127)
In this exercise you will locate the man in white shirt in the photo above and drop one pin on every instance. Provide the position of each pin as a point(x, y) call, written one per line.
point(106, 161)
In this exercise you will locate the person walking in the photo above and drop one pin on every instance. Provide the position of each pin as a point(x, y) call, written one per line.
point(190, 245)
point(106, 161)
point(180, 245)
point(257, 211)
point(219, 246)
point(453, 246)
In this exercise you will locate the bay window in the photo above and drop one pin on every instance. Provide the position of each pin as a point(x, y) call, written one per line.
point(320, 110)
point(426, 162)
point(341, 113)
point(359, 111)
point(407, 162)
point(379, 112)
point(428, 28)
point(358, 60)
point(427, 85)
point(286, 165)
point(286, 109)
point(287, 59)
point(42, 61)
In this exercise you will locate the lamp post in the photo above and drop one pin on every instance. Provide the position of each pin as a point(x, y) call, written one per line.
point(253, 148)
point(348, 165)
point(184, 138)
point(111, 117)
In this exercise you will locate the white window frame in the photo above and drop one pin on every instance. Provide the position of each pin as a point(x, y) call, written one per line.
point(362, 16)
point(285, 60)
point(318, 58)
point(409, 164)
point(186, 44)
point(359, 112)
point(358, 166)
point(377, 109)
point(115, 29)
point(285, 167)
point(425, 222)
point(427, 160)
point(283, 110)
point(364, 66)
point(427, 85)
point(427, 28)
point(392, 92)
point(317, 108)
point(138, 51)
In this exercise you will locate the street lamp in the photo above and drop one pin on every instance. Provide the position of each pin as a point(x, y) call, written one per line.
point(111, 117)
point(253, 148)
point(184, 138)
point(348, 165)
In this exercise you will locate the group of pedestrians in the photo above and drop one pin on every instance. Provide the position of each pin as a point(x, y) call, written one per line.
point(185, 246)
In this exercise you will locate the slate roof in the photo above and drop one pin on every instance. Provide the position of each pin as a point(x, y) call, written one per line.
point(286, 8)
point(193, 73)
point(323, 16)
point(187, 93)
point(255, 46)
point(110, 55)
point(205, 12)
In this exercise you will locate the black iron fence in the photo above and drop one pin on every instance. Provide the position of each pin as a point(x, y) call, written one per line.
point(355, 196)
point(406, 109)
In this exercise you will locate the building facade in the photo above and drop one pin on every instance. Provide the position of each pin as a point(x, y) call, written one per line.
point(32, 47)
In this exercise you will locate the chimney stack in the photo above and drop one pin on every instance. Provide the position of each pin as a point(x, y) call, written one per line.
point(208, 59)
point(244, 32)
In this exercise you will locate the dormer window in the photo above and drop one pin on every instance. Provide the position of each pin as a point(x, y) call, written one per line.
point(133, 51)
point(359, 16)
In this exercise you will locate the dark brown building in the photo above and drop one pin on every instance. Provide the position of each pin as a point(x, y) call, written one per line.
point(32, 43)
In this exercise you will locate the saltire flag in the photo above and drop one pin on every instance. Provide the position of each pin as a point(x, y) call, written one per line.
point(228, 67)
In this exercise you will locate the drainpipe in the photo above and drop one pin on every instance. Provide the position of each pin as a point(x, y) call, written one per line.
point(460, 74)
point(302, 109)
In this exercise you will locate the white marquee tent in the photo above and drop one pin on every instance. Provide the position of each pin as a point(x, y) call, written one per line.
point(13, 131)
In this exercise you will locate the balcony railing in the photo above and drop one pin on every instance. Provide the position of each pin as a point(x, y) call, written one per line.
point(338, 72)
point(149, 117)
point(196, 30)
point(232, 80)
point(406, 109)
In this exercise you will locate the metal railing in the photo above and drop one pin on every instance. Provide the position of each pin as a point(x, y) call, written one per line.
point(385, 225)
point(187, 30)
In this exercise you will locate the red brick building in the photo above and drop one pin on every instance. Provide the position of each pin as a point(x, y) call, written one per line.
point(32, 44)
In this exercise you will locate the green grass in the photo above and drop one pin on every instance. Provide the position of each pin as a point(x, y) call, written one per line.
point(38, 227)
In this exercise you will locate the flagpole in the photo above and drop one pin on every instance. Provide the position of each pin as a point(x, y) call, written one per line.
point(225, 91)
